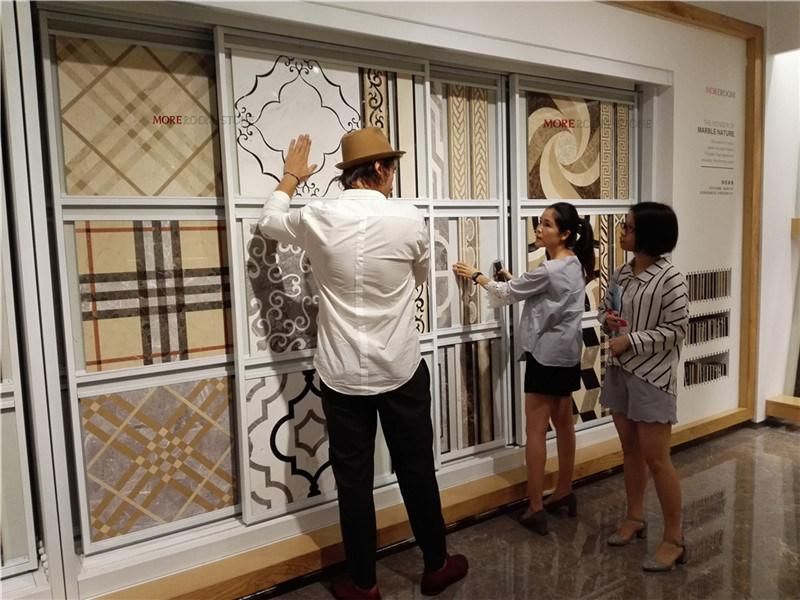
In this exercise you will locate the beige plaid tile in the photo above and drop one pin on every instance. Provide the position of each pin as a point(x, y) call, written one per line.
point(152, 291)
point(109, 95)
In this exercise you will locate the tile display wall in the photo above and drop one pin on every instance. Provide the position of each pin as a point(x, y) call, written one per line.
point(152, 291)
point(469, 403)
point(157, 455)
point(141, 120)
point(577, 148)
point(463, 129)
point(277, 97)
point(115, 101)
point(472, 240)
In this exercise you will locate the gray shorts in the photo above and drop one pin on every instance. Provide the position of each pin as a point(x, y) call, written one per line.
point(636, 399)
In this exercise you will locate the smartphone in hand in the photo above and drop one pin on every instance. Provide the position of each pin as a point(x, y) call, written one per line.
point(497, 266)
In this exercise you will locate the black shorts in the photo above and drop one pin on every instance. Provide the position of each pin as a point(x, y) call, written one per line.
point(552, 381)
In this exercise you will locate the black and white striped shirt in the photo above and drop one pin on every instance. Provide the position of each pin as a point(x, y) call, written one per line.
point(655, 304)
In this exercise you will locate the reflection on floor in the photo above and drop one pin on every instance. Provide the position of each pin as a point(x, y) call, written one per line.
point(741, 516)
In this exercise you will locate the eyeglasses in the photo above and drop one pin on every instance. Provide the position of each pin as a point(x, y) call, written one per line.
point(626, 229)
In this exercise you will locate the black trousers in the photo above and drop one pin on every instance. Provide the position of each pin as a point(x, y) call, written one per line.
point(405, 415)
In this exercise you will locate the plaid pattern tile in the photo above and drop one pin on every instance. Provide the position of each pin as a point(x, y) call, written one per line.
point(157, 455)
point(152, 291)
point(111, 97)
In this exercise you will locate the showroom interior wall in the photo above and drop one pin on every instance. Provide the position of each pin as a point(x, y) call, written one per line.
point(780, 254)
point(672, 105)
point(779, 343)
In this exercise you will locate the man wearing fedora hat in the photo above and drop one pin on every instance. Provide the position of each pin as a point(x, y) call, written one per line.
point(368, 254)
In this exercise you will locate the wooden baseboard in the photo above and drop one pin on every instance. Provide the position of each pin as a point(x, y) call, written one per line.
point(265, 567)
point(784, 407)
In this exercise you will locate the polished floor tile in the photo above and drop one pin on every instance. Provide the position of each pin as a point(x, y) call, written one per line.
point(741, 496)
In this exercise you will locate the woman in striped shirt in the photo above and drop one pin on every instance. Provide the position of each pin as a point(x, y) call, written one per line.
point(645, 310)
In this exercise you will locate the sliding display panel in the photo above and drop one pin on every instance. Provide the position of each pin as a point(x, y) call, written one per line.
point(272, 89)
point(17, 533)
point(577, 144)
point(144, 280)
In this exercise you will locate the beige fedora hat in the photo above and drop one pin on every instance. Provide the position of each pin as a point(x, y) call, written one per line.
point(364, 145)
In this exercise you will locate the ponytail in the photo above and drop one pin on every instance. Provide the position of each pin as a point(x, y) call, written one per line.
point(581, 236)
point(584, 248)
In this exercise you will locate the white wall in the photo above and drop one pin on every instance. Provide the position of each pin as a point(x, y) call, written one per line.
point(780, 261)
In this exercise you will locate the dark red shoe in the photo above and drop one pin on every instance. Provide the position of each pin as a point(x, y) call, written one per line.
point(344, 589)
point(454, 569)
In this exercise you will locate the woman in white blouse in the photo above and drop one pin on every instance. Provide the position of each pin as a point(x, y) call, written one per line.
point(550, 340)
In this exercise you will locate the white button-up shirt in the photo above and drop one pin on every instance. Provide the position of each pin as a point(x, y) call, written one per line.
point(368, 254)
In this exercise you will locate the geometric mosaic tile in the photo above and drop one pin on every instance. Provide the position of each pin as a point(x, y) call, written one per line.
point(137, 120)
point(622, 147)
point(152, 291)
point(586, 400)
point(157, 455)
